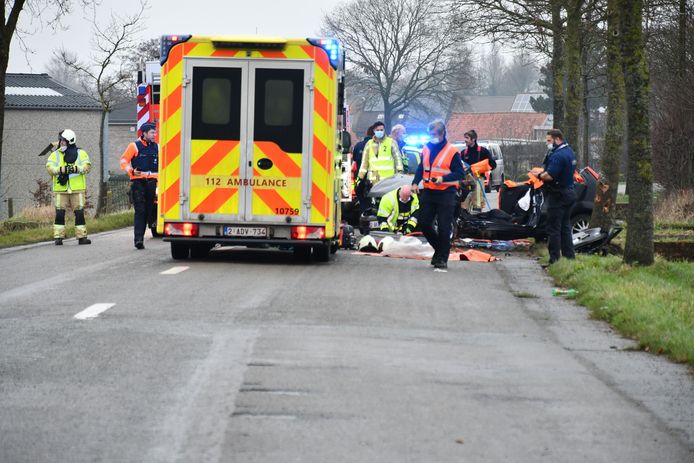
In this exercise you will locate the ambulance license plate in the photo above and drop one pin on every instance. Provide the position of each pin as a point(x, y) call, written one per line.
point(251, 232)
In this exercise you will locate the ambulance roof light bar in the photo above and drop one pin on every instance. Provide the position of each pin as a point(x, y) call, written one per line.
point(331, 47)
point(168, 41)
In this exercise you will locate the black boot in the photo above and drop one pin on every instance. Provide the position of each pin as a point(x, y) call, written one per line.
point(84, 241)
point(58, 241)
point(139, 245)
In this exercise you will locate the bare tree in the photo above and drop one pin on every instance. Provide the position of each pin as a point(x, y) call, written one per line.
point(403, 51)
point(60, 71)
point(606, 195)
point(105, 72)
point(43, 12)
point(639, 243)
point(538, 25)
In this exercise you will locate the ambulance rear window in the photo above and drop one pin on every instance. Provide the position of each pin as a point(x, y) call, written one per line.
point(216, 103)
point(279, 107)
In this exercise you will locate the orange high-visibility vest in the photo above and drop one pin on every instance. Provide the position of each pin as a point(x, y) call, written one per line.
point(441, 167)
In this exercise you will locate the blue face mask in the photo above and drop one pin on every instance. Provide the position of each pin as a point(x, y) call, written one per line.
point(379, 133)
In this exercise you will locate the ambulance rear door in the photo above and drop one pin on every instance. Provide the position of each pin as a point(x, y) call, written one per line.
point(247, 140)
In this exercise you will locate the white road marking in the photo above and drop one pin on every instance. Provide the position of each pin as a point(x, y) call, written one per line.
point(93, 311)
point(174, 270)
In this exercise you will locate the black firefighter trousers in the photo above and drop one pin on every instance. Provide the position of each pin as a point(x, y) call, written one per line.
point(144, 192)
point(439, 205)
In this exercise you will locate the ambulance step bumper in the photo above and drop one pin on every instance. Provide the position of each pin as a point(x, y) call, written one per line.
point(231, 241)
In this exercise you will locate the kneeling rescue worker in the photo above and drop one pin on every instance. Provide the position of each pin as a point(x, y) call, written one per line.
point(140, 160)
point(441, 170)
point(397, 211)
point(69, 165)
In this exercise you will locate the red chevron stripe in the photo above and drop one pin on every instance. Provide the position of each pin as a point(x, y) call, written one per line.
point(321, 106)
point(272, 54)
point(171, 197)
point(171, 151)
point(279, 158)
point(321, 154)
point(213, 156)
point(215, 200)
point(173, 102)
point(319, 200)
point(321, 57)
point(272, 199)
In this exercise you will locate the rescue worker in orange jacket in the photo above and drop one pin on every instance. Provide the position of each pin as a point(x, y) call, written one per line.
point(441, 170)
point(472, 154)
point(141, 161)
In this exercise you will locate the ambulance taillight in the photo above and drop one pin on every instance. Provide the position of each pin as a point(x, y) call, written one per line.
point(181, 229)
point(308, 233)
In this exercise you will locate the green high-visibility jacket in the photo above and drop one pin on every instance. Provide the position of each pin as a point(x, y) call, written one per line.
point(76, 181)
point(389, 209)
point(381, 159)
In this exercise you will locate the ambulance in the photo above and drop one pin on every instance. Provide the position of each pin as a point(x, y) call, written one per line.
point(252, 136)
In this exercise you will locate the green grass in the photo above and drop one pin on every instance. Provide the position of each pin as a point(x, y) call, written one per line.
point(653, 305)
point(45, 232)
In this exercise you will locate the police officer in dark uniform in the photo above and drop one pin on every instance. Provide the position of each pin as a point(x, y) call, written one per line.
point(141, 161)
point(558, 177)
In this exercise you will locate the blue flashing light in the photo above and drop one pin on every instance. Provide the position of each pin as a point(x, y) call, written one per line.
point(331, 47)
point(417, 140)
point(166, 42)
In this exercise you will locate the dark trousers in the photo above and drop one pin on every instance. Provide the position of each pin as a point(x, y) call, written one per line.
point(559, 236)
point(437, 205)
point(144, 192)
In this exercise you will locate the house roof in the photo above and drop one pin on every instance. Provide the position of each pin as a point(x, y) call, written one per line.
point(496, 126)
point(124, 112)
point(41, 91)
point(485, 104)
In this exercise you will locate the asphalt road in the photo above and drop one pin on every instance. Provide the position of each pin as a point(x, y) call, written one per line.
point(250, 356)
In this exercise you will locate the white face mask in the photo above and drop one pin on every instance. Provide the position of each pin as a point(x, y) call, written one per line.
point(379, 133)
point(63, 148)
point(550, 146)
point(434, 140)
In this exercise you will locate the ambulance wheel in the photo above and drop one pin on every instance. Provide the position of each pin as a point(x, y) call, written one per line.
point(302, 253)
point(199, 251)
point(334, 247)
point(321, 253)
point(180, 251)
point(153, 229)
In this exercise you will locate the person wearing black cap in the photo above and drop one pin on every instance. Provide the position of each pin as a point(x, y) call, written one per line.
point(69, 165)
point(141, 161)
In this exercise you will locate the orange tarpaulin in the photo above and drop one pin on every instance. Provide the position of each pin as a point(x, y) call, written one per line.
point(481, 168)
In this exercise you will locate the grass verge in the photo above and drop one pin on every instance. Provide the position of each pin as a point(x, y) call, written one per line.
point(45, 231)
point(650, 304)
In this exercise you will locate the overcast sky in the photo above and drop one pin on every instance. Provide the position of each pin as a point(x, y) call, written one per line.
point(284, 18)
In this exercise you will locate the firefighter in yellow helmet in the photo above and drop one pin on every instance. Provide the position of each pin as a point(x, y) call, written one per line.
point(397, 211)
point(69, 165)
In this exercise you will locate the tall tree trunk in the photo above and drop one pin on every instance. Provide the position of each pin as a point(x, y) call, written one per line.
point(606, 195)
point(682, 39)
point(4, 60)
point(101, 201)
point(556, 65)
point(639, 241)
point(574, 98)
point(387, 115)
point(585, 120)
point(585, 131)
